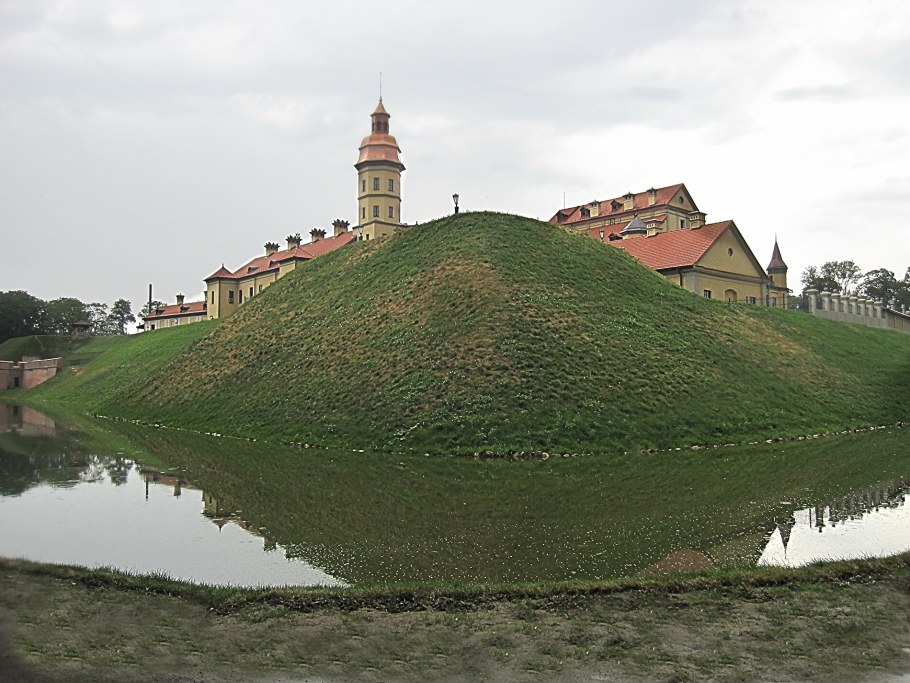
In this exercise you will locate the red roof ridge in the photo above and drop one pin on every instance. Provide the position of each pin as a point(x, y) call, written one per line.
point(676, 248)
point(663, 195)
point(173, 310)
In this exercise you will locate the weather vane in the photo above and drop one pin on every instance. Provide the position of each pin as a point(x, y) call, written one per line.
point(380, 86)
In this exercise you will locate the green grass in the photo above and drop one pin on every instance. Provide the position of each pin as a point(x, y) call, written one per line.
point(105, 370)
point(41, 346)
point(493, 332)
point(226, 600)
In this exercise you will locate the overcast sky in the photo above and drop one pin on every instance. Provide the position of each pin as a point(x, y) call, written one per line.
point(148, 142)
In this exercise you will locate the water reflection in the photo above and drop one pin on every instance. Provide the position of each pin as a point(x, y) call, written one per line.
point(25, 421)
point(869, 522)
point(60, 505)
point(217, 504)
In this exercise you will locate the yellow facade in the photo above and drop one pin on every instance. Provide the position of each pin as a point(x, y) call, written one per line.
point(727, 270)
point(378, 180)
point(224, 295)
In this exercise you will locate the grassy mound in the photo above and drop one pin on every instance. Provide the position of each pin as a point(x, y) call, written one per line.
point(103, 371)
point(40, 346)
point(487, 331)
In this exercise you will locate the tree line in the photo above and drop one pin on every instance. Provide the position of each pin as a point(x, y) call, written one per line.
point(22, 314)
point(845, 277)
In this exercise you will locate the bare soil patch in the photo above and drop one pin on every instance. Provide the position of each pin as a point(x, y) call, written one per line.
point(54, 629)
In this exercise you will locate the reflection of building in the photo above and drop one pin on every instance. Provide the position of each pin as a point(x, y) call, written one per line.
point(665, 231)
point(25, 421)
point(884, 495)
point(174, 480)
point(842, 528)
point(217, 509)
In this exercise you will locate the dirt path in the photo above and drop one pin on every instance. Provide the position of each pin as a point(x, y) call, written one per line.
point(52, 629)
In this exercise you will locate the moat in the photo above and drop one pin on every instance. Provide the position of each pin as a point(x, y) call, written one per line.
point(227, 511)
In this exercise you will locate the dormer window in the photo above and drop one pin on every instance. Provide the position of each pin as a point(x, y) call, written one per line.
point(585, 212)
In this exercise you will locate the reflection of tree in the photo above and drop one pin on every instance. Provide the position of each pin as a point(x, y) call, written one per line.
point(39, 462)
point(118, 469)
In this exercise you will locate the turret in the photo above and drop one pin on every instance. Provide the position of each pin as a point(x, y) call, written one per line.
point(379, 179)
point(777, 269)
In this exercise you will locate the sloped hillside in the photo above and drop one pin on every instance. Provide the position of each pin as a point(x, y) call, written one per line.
point(488, 331)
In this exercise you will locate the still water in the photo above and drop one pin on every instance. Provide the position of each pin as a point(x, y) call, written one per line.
point(232, 512)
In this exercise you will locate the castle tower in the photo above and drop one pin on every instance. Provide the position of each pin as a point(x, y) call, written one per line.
point(777, 271)
point(378, 180)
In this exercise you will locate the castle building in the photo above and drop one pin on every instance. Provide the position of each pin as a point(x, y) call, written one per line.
point(226, 289)
point(379, 171)
point(171, 315)
point(665, 230)
point(378, 180)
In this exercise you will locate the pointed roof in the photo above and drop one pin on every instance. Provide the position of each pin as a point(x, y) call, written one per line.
point(636, 225)
point(379, 146)
point(777, 263)
point(220, 273)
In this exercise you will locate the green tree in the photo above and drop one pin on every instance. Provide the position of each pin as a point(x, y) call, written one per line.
point(98, 316)
point(812, 278)
point(880, 284)
point(150, 306)
point(120, 316)
point(21, 314)
point(846, 273)
point(59, 314)
point(840, 277)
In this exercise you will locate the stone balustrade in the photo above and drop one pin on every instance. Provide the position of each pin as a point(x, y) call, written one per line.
point(848, 308)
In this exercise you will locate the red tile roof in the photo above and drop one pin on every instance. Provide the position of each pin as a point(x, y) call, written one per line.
point(608, 230)
point(271, 262)
point(327, 244)
point(617, 228)
point(573, 214)
point(674, 249)
point(221, 273)
point(177, 310)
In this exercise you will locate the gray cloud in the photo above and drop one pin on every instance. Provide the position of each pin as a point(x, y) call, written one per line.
point(152, 141)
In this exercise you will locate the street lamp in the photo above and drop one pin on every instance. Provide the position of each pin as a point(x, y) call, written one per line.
point(601, 235)
point(455, 199)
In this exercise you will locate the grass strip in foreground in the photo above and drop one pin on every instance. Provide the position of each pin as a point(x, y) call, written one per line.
point(227, 600)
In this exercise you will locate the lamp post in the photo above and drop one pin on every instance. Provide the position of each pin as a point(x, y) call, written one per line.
point(455, 199)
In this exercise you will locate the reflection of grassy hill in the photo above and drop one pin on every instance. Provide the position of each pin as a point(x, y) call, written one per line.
point(486, 331)
point(374, 519)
